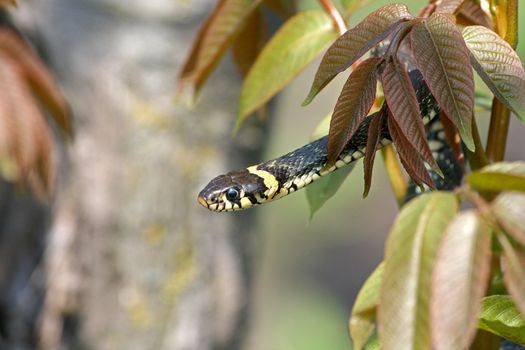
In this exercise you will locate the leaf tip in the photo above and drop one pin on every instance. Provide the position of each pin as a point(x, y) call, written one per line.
point(309, 98)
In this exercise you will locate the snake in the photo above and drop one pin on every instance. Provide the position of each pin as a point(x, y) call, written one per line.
point(268, 181)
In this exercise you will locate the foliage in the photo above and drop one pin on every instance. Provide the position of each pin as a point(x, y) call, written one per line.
point(26, 142)
point(431, 289)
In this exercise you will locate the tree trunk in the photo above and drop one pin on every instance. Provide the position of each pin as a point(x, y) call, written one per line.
point(133, 262)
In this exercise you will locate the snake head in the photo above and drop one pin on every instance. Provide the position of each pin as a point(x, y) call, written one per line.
point(235, 190)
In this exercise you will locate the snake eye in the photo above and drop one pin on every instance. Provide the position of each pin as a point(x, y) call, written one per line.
point(232, 194)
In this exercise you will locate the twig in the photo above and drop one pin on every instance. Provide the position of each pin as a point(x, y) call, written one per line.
point(330, 9)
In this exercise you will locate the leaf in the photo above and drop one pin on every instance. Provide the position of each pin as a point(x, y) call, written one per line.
point(214, 38)
point(322, 128)
point(33, 145)
point(502, 176)
point(350, 6)
point(362, 320)
point(513, 263)
point(297, 43)
point(355, 43)
point(284, 8)
point(411, 248)
point(442, 57)
point(508, 209)
point(34, 72)
point(499, 66)
point(323, 189)
point(448, 6)
point(459, 281)
point(402, 102)
point(355, 101)
point(249, 42)
point(474, 14)
point(9, 137)
point(498, 315)
point(7, 3)
point(374, 135)
point(408, 155)
point(374, 343)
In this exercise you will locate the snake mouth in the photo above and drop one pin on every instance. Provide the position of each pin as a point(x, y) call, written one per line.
point(202, 201)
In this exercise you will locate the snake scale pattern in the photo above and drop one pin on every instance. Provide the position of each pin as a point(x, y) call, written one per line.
point(274, 179)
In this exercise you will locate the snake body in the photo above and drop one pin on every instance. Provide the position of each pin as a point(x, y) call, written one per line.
point(274, 179)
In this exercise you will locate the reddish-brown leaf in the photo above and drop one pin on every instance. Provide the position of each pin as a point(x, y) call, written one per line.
point(33, 150)
point(8, 125)
point(448, 6)
point(23, 110)
point(513, 272)
point(408, 155)
point(355, 43)
point(442, 57)
point(402, 102)
point(6, 3)
point(215, 36)
point(374, 133)
point(249, 42)
point(38, 77)
point(471, 13)
point(459, 281)
point(353, 104)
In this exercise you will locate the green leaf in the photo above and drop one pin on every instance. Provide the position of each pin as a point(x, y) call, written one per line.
point(402, 102)
point(513, 263)
point(350, 6)
point(362, 321)
point(411, 248)
point(442, 57)
point(499, 66)
point(301, 39)
point(459, 281)
point(374, 342)
point(499, 316)
point(503, 176)
point(355, 101)
point(355, 43)
point(508, 209)
point(215, 36)
point(323, 189)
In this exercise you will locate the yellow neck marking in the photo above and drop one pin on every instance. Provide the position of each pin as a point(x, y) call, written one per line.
point(269, 180)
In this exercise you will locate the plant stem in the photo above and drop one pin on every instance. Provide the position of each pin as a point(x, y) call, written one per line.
point(499, 127)
point(506, 19)
point(330, 9)
point(395, 174)
point(478, 158)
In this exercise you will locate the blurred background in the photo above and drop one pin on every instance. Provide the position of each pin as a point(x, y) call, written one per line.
point(123, 257)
